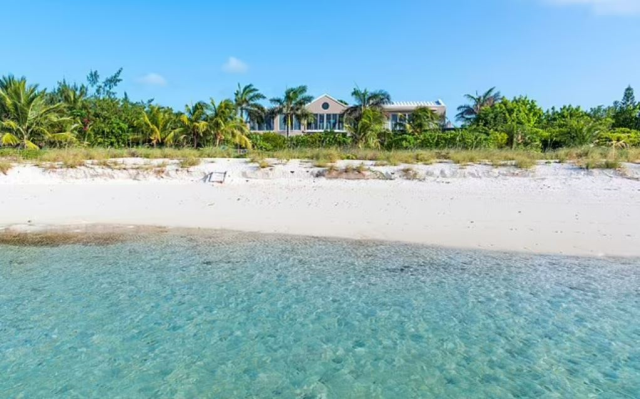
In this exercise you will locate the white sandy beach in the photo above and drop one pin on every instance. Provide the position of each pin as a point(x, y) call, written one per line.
point(555, 208)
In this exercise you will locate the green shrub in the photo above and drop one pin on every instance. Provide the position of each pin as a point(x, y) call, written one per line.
point(498, 140)
point(629, 137)
point(319, 140)
point(268, 141)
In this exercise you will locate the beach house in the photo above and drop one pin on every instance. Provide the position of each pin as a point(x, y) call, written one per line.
point(328, 114)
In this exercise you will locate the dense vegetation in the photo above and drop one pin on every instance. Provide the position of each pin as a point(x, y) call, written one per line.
point(93, 115)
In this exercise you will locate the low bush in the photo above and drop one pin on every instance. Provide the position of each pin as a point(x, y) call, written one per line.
point(268, 141)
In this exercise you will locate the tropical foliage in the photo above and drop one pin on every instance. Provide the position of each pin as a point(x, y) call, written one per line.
point(367, 128)
point(364, 99)
point(98, 114)
point(195, 124)
point(467, 113)
point(226, 126)
point(292, 106)
point(159, 126)
point(419, 121)
point(247, 102)
point(29, 121)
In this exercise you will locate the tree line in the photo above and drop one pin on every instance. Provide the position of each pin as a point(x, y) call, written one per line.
point(521, 123)
point(92, 114)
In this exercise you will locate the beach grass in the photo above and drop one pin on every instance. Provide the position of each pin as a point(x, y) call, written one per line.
point(591, 157)
point(5, 167)
point(190, 162)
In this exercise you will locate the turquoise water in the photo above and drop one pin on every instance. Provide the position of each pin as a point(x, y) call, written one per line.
point(228, 315)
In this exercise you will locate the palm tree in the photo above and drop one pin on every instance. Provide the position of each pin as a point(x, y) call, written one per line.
point(366, 130)
point(5, 83)
point(246, 100)
point(584, 132)
point(194, 122)
point(72, 95)
point(226, 125)
point(75, 102)
point(28, 118)
point(364, 99)
point(421, 120)
point(159, 124)
point(468, 112)
point(292, 105)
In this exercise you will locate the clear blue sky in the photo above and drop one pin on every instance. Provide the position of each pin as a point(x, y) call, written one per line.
point(583, 52)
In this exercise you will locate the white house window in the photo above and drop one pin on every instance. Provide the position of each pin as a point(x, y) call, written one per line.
point(295, 123)
point(398, 120)
point(267, 126)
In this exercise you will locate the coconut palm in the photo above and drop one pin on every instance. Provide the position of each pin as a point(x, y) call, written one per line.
point(5, 83)
point(246, 100)
point(75, 102)
point(226, 125)
point(364, 99)
point(421, 120)
point(194, 122)
point(468, 112)
point(28, 118)
point(73, 96)
point(159, 125)
point(366, 130)
point(292, 105)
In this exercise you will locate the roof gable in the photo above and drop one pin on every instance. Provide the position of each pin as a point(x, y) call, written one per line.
point(332, 105)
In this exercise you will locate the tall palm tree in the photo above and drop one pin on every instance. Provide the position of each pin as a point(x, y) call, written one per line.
point(364, 99)
point(159, 125)
point(366, 130)
point(226, 125)
point(246, 100)
point(468, 112)
point(292, 105)
point(28, 118)
point(194, 122)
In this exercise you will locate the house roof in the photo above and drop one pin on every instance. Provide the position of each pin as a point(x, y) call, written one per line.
point(438, 103)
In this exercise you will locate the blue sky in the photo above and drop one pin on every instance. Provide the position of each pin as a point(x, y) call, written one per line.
point(583, 52)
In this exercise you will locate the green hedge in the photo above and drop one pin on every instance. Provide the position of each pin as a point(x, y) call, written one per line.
point(463, 139)
point(629, 137)
point(268, 141)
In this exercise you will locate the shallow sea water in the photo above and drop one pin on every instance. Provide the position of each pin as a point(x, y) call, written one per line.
point(230, 315)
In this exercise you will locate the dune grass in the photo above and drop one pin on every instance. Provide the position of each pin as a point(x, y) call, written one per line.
point(5, 167)
point(190, 162)
point(588, 157)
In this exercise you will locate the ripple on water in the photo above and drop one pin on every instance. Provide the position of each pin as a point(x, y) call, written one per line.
point(241, 315)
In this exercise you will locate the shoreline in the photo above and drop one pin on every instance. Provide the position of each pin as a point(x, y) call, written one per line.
point(553, 209)
point(94, 234)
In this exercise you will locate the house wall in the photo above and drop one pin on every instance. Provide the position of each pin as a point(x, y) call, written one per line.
point(336, 107)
